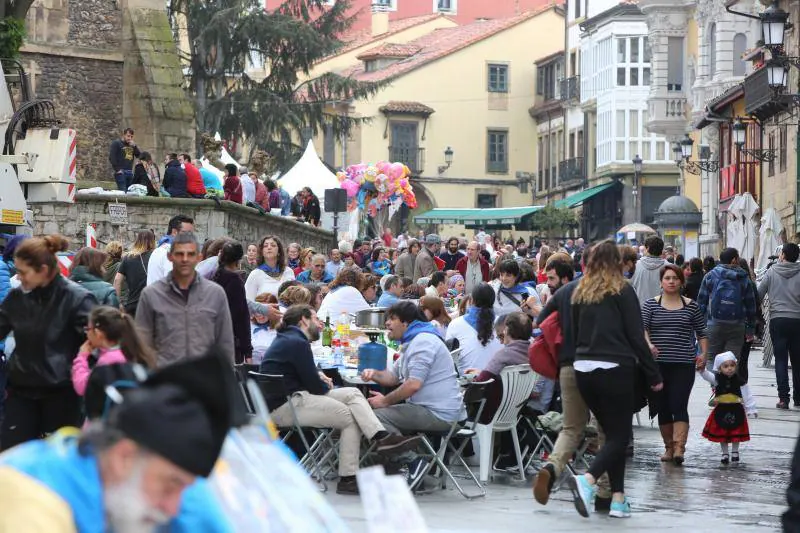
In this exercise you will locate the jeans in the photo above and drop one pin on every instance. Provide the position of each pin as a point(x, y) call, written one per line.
point(609, 395)
point(576, 417)
point(124, 179)
point(678, 382)
point(785, 333)
point(344, 409)
point(724, 337)
point(33, 417)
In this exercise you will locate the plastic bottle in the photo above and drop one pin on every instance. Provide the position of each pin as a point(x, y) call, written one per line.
point(344, 323)
point(338, 351)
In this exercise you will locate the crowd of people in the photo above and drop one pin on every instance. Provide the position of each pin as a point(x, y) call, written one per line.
point(136, 172)
point(636, 326)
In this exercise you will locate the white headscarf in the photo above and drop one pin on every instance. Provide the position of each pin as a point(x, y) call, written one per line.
point(723, 358)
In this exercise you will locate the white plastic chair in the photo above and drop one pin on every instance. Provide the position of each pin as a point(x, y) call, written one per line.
point(518, 382)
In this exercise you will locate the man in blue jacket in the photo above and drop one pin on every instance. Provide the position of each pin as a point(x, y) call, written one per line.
point(142, 468)
point(728, 302)
point(174, 177)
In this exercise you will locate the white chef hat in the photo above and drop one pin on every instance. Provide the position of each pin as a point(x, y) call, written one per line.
point(722, 358)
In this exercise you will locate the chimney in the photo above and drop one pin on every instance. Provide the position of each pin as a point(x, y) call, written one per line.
point(380, 20)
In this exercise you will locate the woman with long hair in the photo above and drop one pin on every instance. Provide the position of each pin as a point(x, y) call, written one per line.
point(304, 261)
point(272, 268)
point(47, 315)
point(111, 338)
point(87, 271)
point(475, 330)
point(293, 255)
point(133, 270)
point(368, 286)
point(672, 325)
point(544, 255)
point(434, 310)
point(294, 295)
point(345, 295)
point(113, 252)
point(609, 346)
point(250, 261)
point(694, 279)
point(146, 173)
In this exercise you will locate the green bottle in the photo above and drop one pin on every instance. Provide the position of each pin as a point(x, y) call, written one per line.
point(327, 332)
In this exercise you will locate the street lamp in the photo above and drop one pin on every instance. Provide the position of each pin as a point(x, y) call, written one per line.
point(683, 153)
point(686, 147)
point(777, 72)
point(448, 160)
point(739, 133)
point(637, 173)
point(773, 25)
point(739, 130)
point(677, 153)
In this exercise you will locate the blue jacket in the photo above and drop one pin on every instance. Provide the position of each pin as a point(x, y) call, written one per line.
point(175, 180)
point(710, 282)
point(387, 299)
point(286, 203)
point(305, 277)
point(290, 355)
point(6, 273)
point(59, 467)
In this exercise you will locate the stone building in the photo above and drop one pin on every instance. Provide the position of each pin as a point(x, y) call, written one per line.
point(107, 65)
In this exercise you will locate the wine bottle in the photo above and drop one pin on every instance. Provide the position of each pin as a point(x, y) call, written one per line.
point(327, 332)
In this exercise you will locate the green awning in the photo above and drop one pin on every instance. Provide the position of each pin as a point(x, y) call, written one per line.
point(477, 217)
point(580, 197)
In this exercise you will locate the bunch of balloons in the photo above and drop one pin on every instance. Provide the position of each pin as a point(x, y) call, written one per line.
point(373, 187)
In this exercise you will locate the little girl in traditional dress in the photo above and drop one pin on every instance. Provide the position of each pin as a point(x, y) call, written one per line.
point(727, 423)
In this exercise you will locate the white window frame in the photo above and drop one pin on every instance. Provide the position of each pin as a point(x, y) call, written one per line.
point(453, 7)
point(390, 5)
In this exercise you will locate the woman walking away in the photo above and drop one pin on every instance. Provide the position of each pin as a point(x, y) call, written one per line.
point(671, 324)
point(609, 345)
point(87, 270)
point(475, 330)
point(727, 423)
point(133, 270)
point(111, 338)
point(227, 276)
point(47, 315)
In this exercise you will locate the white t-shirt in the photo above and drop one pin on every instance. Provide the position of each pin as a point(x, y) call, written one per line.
point(344, 299)
point(159, 264)
point(259, 282)
point(473, 354)
point(261, 339)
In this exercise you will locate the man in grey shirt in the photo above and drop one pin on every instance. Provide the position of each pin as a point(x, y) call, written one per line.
point(183, 314)
point(425, 374)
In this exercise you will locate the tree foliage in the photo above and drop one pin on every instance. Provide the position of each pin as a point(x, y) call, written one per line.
point(226, 36)
point(12, 26)
point(553, 221)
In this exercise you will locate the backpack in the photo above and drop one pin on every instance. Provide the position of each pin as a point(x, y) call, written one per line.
point(727, 300)
point(123, 376)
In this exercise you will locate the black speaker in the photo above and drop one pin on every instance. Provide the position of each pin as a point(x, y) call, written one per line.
point(335, 200)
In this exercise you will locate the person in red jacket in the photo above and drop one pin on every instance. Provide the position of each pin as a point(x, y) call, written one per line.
point(194, 181)
point(233, 185)
point(262, 196)
point(473, 267)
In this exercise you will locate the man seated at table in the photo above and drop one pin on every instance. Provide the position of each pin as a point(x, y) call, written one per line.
point(425, 374)
point(316, 403)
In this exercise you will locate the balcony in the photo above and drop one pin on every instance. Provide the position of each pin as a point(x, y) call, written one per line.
point(759, 99)
point(412, 157)
point(571, 172)
point(668, 114)
point(570, 88)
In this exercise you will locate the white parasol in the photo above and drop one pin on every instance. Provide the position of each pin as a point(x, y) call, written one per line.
point(636, 227)
point(769, 236)
point(748, 208)
point(734, 235)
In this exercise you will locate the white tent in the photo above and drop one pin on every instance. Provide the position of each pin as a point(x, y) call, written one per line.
point(311, 172)
point(211, 168)
point(225, 156)
point(769, 238)
point(749, 208)
point(734, 229)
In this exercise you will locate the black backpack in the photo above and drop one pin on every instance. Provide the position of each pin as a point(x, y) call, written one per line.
point(122, 376)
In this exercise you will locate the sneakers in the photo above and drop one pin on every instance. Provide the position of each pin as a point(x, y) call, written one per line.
point(620, 509)
point(544, 484)
point(415, 469)
point(583, 495)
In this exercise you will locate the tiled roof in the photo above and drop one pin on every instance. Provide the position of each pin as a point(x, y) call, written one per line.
point(364, 37)
point(408, 108)
point(392, 50)
point(440, 43)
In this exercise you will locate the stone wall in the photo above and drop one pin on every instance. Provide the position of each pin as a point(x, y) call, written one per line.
point(239, 222)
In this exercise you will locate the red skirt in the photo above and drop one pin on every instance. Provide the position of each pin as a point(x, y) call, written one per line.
point(714, 432)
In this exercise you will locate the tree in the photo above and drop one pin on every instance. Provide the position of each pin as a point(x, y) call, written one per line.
point(553, 221)
point(12, 26)
point(227, 36)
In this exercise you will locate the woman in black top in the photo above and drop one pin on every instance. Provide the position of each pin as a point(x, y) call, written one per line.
point(133, 270)
point(695, 278)
point(672, 324)
point(609, 346)
point(228, 277)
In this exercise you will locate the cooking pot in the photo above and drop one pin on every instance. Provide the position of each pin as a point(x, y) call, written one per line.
point(374, 318)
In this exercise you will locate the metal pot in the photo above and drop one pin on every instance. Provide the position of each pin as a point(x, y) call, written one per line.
point(371, 318)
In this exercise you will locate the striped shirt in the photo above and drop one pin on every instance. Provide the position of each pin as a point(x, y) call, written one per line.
point(674, 332)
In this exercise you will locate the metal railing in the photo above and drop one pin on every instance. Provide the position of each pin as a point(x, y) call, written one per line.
point(412, 157)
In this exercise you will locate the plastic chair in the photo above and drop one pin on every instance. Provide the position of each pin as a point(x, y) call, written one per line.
point(518, 382)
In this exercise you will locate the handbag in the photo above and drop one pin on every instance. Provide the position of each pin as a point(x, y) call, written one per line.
point(543, 351)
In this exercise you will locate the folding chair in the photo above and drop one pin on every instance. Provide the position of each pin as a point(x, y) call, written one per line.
point(518, 382)
point(319, 452)
point(546, 443)
point(474, 398)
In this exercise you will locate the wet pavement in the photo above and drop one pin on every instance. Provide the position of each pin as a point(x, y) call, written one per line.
point(701, 496)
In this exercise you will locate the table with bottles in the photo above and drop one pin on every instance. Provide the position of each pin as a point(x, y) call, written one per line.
point(347, 349)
